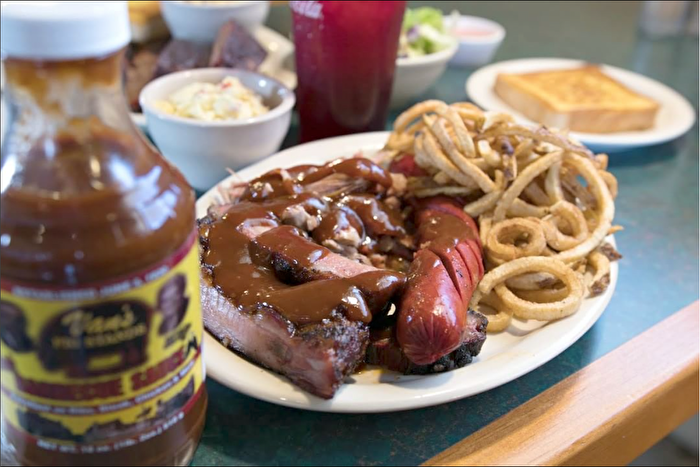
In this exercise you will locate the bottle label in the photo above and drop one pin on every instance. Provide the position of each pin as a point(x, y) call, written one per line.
point(103, 367)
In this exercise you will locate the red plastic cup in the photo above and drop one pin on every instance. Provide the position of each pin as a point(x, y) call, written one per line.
point(345, 61)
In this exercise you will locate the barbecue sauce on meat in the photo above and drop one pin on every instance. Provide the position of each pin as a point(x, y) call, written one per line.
point(377, 217)
point(286, 182)
point(328, 296)
point(355, 167)
point(272, 185)
point(366, 214)
point(242, 269)
point(444, 228)
point(277, 241)
point(338, 225)
point(246, 278)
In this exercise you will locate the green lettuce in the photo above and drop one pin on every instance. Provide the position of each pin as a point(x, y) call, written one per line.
point(423, 33)
point(422, 16)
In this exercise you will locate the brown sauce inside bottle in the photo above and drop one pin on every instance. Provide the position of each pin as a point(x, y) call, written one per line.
point(102, 213)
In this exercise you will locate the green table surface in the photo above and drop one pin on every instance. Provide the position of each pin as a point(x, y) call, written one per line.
point(657, 205)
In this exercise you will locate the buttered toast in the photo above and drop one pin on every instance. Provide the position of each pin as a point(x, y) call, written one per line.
point(581, 99)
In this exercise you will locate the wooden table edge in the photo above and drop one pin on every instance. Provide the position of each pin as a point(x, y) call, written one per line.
point(608, 413)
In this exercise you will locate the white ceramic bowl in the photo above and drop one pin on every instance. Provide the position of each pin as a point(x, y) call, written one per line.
point(200, 22)
point(414, 75)
point(204, 150)
point(475, 49)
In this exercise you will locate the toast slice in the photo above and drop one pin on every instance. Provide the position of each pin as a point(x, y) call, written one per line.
point(581, 99)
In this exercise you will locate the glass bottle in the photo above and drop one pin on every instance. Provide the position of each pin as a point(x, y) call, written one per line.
point(100, 319)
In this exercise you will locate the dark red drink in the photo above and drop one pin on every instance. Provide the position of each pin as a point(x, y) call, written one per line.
point(345, 60)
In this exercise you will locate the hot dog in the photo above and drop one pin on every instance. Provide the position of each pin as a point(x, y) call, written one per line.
point(432, 314)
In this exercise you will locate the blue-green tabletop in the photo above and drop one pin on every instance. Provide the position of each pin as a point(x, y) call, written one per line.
point(657, 205)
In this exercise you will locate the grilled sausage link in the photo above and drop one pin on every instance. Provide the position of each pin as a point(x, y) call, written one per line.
point(432, 314)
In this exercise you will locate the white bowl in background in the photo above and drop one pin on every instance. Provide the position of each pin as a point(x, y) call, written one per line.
point(200, 22)
point(479, 45)
point(414, 75)
point(203, 150)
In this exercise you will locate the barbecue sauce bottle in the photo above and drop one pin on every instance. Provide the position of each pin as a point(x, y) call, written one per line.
point(100, 319)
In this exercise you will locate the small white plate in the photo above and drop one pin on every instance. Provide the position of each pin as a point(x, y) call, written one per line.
point(504, 357)
point(279, 51)
point(675, 117)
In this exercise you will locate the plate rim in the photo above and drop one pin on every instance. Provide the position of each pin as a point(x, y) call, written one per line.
point(216, 368)
point(609, 141)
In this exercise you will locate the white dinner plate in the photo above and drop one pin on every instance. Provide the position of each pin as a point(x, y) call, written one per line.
point(280, 51)
point(504, 357)
point(674, 118)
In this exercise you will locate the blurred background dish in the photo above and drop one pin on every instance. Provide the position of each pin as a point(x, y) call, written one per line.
point(430, 41)
point(478, 39)
point(278, 64)
point(423, 32)
point(674, 118)
point(425, 47)
point(146, 22)
point(199, 21)
point(232, 41)
point(414, 75)
point(204, 150)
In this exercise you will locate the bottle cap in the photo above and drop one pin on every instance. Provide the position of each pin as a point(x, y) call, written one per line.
point(63, 30)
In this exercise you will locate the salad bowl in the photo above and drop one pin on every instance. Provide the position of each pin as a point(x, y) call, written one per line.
point(425, 48)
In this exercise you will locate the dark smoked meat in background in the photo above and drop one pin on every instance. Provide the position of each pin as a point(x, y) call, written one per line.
point(139, 70)
point(235, 47)
point(181, 55)
point(144, 63)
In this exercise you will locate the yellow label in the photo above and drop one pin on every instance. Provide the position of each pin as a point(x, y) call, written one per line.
point(102, 367)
